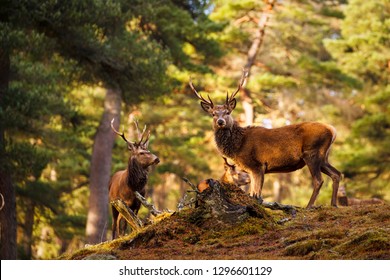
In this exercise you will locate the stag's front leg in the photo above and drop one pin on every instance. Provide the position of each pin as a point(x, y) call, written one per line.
point(257, 181)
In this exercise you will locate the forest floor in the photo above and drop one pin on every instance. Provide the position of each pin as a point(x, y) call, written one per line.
point(356, 232)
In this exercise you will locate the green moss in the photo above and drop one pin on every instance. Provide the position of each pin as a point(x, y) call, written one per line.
point(331, 233)
point(303, 248)
point(370, 241)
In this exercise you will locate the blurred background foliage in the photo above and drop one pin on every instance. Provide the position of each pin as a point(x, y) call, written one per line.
point(319, 61)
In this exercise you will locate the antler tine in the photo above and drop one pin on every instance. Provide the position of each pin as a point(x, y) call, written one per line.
point(142, 135)
point(147, 137)
point(241, 83)
point(198, 95)
point(117, 132)
point(139, 134)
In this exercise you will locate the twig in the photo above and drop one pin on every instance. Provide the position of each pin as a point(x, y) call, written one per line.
point(103, 231)
point(190, 184)
point(148, 205)
point(181, 203)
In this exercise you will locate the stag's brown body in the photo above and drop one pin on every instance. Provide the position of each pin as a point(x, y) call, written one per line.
point(259, 150)
point(125, 183)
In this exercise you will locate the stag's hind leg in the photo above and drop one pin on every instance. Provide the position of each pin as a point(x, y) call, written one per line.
point(313, 162)
point(115, 215)
point(122, 225)
point(333, 173)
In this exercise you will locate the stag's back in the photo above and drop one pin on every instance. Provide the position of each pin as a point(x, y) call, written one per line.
point(281, 149)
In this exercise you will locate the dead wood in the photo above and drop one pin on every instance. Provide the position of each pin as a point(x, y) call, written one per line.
point(215, 202)
point(278, 206)
point(132, 219)
point(148, 205)
point(225, 203)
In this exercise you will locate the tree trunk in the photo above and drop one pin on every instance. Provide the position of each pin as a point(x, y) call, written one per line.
point(8, 212)
point(247, 103)
point(97, 220)
point(28, 230)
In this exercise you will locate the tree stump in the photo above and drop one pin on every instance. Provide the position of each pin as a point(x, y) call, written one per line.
point(224, 203)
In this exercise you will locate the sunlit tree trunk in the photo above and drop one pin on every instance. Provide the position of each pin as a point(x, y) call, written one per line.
point(97, 220)
point(8, 212)
point(247, 102)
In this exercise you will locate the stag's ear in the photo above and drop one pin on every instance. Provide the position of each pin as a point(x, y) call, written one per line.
point(207, 107)
point(232, 104)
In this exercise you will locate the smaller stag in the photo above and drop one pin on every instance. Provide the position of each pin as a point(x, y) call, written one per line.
point(259, 150)
point(125, 183)
point(345, 200)
point(233, 175)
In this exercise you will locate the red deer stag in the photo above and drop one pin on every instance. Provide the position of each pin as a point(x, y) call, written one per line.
point(259, 150)
point(126, 182)
point(234, 176)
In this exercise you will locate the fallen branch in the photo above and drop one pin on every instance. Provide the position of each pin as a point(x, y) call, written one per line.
point(148, 205)
point(194, 188)
point(277, 206)
point(132, 219)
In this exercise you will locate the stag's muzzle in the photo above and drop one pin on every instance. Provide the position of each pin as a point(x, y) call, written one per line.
point(221, 122)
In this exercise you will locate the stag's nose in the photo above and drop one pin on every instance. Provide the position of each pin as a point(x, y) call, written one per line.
point(221, 122)
point(156, 161)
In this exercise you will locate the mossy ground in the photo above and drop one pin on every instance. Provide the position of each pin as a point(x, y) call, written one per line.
point(361, 232)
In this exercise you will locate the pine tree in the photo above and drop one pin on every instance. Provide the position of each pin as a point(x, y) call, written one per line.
point(363, 50)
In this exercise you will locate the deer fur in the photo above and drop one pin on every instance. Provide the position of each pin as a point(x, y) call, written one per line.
point(125, 183)
point(233, 175)
point(259, 150)
point(345, 200)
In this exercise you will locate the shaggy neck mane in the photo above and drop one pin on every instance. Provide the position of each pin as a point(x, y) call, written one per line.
point(229, 140)
point(137, 175)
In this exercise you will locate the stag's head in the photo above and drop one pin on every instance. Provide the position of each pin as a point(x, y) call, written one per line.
point(139, 149)
point(234, 175)
point(221, 113)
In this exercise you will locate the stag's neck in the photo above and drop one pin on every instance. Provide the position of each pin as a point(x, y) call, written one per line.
point(137, 176)
point(229, 140)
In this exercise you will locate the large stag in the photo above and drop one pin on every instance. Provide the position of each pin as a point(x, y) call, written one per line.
point(259, 150)
point(125, 183)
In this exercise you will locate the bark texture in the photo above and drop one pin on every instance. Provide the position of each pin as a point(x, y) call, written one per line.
point(247, 102)
point(8, 212)
point(97, 220)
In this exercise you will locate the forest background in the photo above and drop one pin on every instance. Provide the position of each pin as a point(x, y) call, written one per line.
point(68, 67)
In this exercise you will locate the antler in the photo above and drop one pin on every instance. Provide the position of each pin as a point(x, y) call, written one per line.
point(117, 132)
point(141, 135)
point(200, 96)
point(240, 85)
